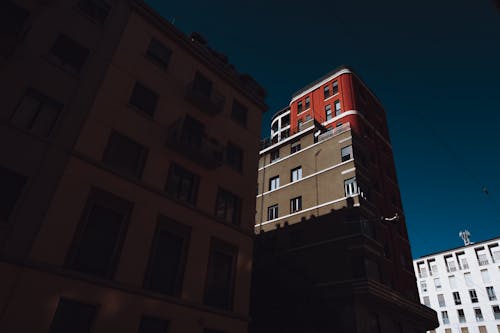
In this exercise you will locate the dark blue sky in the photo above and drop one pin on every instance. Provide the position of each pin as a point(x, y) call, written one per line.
point(435, 65)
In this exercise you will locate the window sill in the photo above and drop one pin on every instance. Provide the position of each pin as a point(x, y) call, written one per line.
point(141, 112)
point(158, 64)
point(330, 97)
point(75, 75)
point(303, 111)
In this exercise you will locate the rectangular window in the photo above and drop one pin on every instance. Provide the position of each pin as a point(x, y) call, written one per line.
point(125, 155)
point(346, 153)
point(453, 282)
point(308, 102)
point(441, 300)
point(427, 301)
point(274, 183)
point(12, 185)
point(423, 286)
point(182, 184)
point(159, 53)
point(68, 54)
point(234, 157)
point(464, 330)
point(491, 293)
point(337, 108)
point(482, 329)
point(153, 325)
point(36, 113)
point(444, 316)
point(275, 155)
point(335, 89)
point(496, 311)
point(294, 147)
point(328, 112)
point(483, 259)
point(479, 314)
point(300, 108)
point(239, 113)
point(168, 257)
point(461, 316)
point(437, 283)
point(350, 187)
point(468, 280)
point(99, 236)
point(144, 98)
point(295, 204)
point(296, 174)
point(202, 85)
point(228, 207)
point(272, 212)
point(192, 132)
point(96, 9)
point(326, 92)
point(456, 298)
point(485, 276)
point(220, 275)
point(13, 19)
point(72, 316)
point(473, 296)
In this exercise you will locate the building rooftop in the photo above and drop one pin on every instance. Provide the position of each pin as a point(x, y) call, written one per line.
point(458, 248)
point(312, 84)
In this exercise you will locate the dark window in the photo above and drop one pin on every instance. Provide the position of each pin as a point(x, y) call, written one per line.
point(168, 257)
point(337, 108)
point(228, 207)
point(272, 212)
point(299, 107)
point(36, 113)
point(144, 98)
point(159, 53)
point(275, 154)
point(308, 103)
point(220, 275)
point(11, 187)
point(335, 87)
point(192, 132)
point(182, 184)
point(153, 325)
point(96, 9)
point(285, 120)
point(285, 134)
point(294, 147)
point(68, 54)
point(72, 316)
point(239, 113)
point(98, 240)
point(125, 155)
point(295, 204)
point(346, 153)
point(202, 85)
point(326, 91)
point(473, 296)
point(328, 112)
point(234, 157)
point(13, 18)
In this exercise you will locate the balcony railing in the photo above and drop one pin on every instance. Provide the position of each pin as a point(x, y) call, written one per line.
point(334, 131)
point(483, 262)
point(212, 103)
point(195, 146)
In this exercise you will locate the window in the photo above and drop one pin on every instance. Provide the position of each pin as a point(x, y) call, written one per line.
point(10, 191)
point(220, 275)
point(350, 187)
point(13, 18)
point(335, 89)
point(234, 157)
point(272, 212)
point(100, 233)
point(294, 147)
point(437, 283)
point(68, 54)
point(239, 113)
point(491, 293)
point(473, 296)
point(447, 330)
point(444, 316)
point(326, 91)
point(182, 184)
point(456, 298)
point(274, 183)
point(96, 9)
point(451, 266)
point(192, 132)
point(482, 329)
point(308, 102)
point(36, 113)
point(167, 257)
point(125, 155)
point(479, 314)
point(423, 285)
point(159, 53)
point(461, 315)
point(453, 281)
point(485, 276)
point(426, 301)
point(346, 153)
point(228, 207)
point(465, 265)
point(468, 280)
point(464, 330)
point(72, 316)
point(328, 112)
point(308, 117)
point(153, 325)
point(285, 120)
point(202, 85)
point(441, 300)
point(275, 155)
point(296, 174)
point(144, 98)
point(295, 204)
point(337, 107)
point(299, 107)
point(483, 259)
point(496, 311)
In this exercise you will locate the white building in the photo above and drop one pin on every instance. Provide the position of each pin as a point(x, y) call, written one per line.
point(463, 286)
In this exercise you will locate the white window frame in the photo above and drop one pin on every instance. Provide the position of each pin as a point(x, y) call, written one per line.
point(351, 187)
point(296, 174)
point(296, 204)
point(272, 212)
point(274, 183)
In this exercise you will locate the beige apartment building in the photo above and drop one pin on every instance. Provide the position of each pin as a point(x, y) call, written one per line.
point(127, 171)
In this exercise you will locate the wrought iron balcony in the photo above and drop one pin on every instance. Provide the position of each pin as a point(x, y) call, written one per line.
point(211, 103)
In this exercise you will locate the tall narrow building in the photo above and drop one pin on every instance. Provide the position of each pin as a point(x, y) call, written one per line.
point(332, 251)
point(127, 173)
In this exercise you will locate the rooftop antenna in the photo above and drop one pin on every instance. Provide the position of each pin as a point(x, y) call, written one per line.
point(465, 235)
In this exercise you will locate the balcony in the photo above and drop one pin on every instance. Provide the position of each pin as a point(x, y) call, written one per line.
point(334, 131)
point(210, 102)
point(195, 145)
point(483, 262)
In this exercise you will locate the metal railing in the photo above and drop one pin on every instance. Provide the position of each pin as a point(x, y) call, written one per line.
point(334, 131)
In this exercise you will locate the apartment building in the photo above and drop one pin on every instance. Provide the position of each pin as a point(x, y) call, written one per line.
point(329, 214)
point(127, 173)
point(462, 285)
